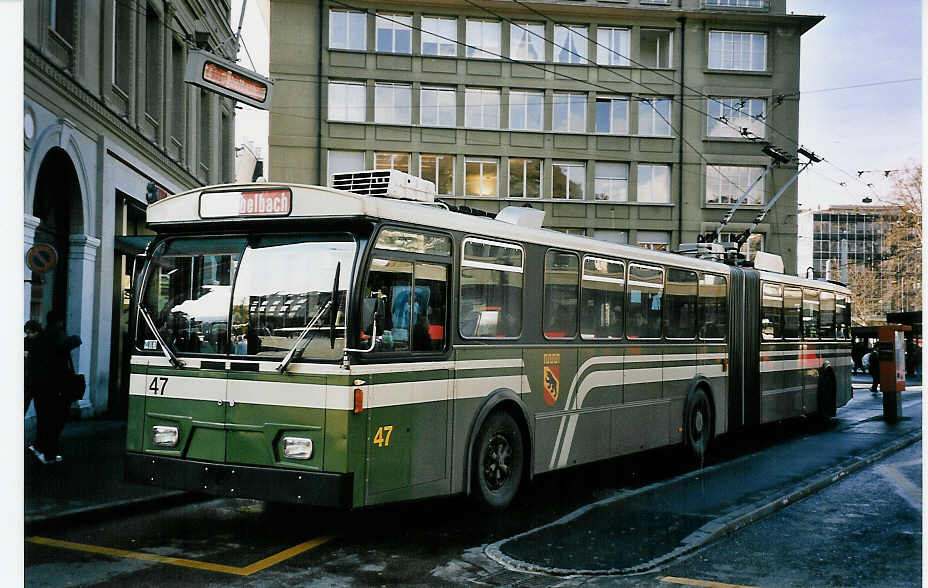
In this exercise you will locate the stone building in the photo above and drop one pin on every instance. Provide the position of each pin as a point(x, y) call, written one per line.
point(106, 112)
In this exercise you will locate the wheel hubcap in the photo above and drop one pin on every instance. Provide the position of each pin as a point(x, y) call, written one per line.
point(497, 462)
point(698, 423)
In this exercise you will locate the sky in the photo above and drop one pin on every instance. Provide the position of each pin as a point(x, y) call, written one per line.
point(872, 128)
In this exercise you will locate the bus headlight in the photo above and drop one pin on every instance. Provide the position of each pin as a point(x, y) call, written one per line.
point(164, 436)
point(298, 448)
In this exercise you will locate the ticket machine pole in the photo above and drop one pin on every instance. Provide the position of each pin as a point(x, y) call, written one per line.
point(891, 348)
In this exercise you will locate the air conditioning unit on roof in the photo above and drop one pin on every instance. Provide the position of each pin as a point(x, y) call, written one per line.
point(385, 183)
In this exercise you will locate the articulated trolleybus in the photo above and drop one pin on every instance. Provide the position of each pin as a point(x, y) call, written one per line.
point(363, 344)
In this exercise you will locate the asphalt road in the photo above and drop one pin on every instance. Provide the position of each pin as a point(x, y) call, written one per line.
point(834, 537)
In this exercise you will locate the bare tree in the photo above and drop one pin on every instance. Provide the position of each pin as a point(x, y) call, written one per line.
point(902, 266)
point(867, 294)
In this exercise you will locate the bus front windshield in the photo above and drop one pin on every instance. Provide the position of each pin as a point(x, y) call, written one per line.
point(226, 296)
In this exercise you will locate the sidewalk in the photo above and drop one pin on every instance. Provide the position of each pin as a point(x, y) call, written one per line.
point(91, 478)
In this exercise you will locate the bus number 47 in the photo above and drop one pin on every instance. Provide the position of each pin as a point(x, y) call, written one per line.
point(155, 388)
point(382, 438)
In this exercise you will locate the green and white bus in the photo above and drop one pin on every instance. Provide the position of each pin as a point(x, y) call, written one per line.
point(357, 346)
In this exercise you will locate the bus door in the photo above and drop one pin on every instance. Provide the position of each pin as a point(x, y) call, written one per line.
point(408, 432)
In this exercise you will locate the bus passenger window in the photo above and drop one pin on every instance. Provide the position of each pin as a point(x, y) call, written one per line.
point(645, 286)
point(680, 304)
point(491, 289)
point(562, 273)
point(810, 312)
point(713, 307)
point(827, 316)
point(602, 299)
point(771, 318)
point(792, 310)
point(842, 318)
point(391, 280)
point(428, 312)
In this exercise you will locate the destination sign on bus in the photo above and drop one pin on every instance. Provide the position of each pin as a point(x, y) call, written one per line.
point(254, 203)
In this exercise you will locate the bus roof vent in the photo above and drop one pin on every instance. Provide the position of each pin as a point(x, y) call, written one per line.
point(768, 262)
point(385, 183)
point(522, 216)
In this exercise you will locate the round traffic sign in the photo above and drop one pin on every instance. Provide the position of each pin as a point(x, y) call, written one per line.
point(41, 258)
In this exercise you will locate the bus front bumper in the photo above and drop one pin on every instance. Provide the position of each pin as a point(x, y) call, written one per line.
point(236, 481)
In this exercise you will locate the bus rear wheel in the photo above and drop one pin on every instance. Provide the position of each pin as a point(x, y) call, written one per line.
point(697, 424)
point(498, 461)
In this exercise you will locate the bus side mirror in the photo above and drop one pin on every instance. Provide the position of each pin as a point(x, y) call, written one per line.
point(374, 311)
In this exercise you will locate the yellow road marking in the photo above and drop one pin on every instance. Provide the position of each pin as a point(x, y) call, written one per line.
point(178, 561)
point(703, 583)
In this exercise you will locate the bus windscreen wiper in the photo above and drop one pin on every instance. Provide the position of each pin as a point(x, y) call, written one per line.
point(282, 366)
point(177, 363)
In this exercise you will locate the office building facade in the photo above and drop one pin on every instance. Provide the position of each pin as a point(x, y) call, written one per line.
point(635, 122)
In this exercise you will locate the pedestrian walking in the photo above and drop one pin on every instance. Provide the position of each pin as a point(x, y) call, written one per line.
point(51, 362)
point(873, 365)
point(32, 329)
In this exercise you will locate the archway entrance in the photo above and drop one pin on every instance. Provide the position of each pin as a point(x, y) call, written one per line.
point(57, 204)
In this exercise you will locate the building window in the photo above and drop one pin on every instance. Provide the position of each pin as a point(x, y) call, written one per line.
point(727, 116)
point(347, 101)
point(527, 41)
point(347, 30)
point(179, 102)
point(611, 182)
point(154, 84)
point(613, 46)
point(737, 51)
point(612, 115)
point(61, 19)
point(122, 28)
point(750, 247)
point(437, 107)
point(439, 36)
point(397, 161)
point(726, 183)
point(394, 33)
point(656, 47)
point(653, 183)
point(735, 3)
point(570, 44)
point(481, 108)
point(569, 112)
point(611, 236)
point(226, 171)
point(654, 240)
point(340, 162)
point(526, 110)
point(569, 181)
point(524, 178)
point(438, 169)
point(654, 117)
point(481, 177)
point(393, 104)
point(483, 39)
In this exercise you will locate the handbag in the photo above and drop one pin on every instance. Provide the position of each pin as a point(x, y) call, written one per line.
point(74, 384)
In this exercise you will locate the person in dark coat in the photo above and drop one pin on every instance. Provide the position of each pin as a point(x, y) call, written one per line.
point(51, 361)
point(32, 329)
point(874, 367)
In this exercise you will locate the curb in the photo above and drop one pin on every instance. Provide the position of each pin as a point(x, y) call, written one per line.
point(111, 509)
point(709, 532)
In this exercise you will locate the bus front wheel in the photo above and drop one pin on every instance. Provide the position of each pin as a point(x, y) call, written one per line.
point(498, 461)
point(697, 424)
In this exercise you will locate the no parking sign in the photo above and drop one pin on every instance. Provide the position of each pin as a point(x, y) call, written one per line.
point(41, 258)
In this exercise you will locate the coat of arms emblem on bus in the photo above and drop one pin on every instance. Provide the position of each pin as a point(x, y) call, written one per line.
point(552, 377)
